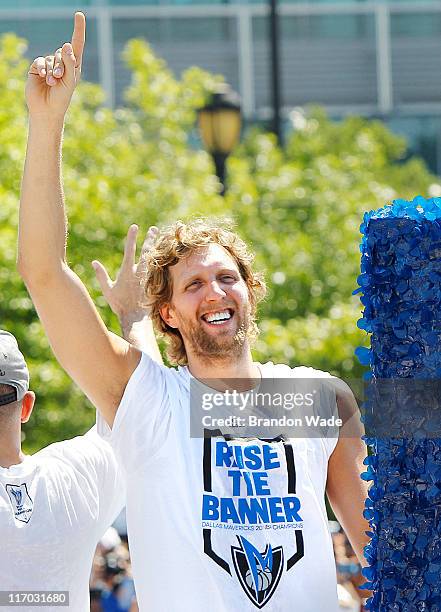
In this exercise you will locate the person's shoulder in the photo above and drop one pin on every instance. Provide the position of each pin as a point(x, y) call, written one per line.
point(148, 367)
point(305, 376)
point(178, 377)
point(283, 370)
point(87, 447)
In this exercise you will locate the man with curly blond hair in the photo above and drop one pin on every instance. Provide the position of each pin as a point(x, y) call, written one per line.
point(220, 522)
point(176, 243)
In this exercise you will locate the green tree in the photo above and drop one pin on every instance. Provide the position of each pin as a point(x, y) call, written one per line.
point(300, 209)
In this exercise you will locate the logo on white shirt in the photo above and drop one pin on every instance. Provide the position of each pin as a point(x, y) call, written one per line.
point(22, 504)
point(258, 573)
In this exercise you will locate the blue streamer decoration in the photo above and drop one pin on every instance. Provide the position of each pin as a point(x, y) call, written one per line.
point(400, 289)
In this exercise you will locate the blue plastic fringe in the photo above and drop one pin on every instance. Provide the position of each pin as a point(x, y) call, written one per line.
point(400, 286)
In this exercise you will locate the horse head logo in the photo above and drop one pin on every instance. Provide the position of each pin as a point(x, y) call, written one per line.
point(18, 496)
point(258, 572)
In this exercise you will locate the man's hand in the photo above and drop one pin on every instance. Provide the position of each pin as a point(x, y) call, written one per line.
point(125, 295)
point(52, 79)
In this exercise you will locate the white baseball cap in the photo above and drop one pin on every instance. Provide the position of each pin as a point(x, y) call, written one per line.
point(13, 369)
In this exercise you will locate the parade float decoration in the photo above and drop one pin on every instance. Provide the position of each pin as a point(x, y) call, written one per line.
point(400, 287)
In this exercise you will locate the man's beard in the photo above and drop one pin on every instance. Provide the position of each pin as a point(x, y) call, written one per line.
point(219, 347)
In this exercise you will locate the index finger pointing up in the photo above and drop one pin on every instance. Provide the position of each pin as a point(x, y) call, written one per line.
point(79, 37)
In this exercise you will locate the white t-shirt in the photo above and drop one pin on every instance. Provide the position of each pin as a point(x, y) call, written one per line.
point(54, 507)
point(211, 525)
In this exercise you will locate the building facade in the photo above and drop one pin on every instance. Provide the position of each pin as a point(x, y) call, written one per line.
point(376, 58)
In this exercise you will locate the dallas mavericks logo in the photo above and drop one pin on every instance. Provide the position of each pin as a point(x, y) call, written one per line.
point(22, 504)
point(258, 573)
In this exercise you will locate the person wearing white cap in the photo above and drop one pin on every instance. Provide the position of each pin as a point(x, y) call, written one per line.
point(56, 504)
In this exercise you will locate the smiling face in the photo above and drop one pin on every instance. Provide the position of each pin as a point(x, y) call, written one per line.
point(210, 304)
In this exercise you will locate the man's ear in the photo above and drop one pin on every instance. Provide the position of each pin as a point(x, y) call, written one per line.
point(27, 405)
point(168, 315)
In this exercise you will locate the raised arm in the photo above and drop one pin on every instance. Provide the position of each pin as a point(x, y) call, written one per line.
point(125, 295)
point(99, 362)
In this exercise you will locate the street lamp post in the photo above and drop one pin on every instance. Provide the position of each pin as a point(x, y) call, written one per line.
point(274, 36)
point(220, 124)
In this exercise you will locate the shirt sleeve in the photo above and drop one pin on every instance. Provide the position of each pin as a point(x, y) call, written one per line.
point(112, 482)
point(95, 464)
point(143, 419)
